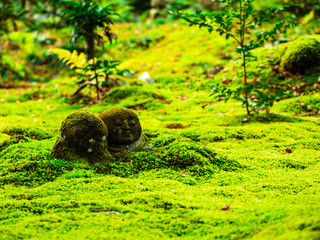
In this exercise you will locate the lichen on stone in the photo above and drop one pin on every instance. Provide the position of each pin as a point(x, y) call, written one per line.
point(125, 134)
point(81, 139)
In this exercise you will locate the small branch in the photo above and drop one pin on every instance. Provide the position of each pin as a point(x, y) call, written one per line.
point(98, 89)
point(83, 85)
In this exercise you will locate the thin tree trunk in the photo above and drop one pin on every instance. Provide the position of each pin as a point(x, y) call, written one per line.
point(90, 45)
point(243, 26)
point(246, 83)
point(97, 81)
point(1, 63)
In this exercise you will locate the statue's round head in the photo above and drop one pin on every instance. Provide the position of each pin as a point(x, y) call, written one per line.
point(123, 126)
point(84, 131)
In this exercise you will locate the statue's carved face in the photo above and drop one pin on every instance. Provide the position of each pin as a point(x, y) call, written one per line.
point(123, 126)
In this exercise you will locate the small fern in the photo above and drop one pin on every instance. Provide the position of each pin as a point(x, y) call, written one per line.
point(93, 70)
point(74, 60)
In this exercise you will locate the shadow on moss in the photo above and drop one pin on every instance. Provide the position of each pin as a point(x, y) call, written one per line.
point(181, 155)
point(263, 118)
point(138, 97)
point(31, 164)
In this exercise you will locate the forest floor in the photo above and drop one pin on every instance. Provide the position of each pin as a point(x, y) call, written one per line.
point(267, 188)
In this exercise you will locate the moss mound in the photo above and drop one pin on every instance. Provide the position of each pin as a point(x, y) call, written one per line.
point(137, 96)
point(302, 54)
point(29, 132)
point(303, 104)
point(181, 155)
point(30, 164)
point(19, 134)
point(12, 140)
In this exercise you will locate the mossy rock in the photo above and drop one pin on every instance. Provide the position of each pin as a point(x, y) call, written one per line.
point(181, 155)
point(83, 138)
point(30, 164)
point(302, 54)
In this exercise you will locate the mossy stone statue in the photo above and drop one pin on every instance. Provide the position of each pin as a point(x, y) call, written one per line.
point(302, 54)
point(125, 134)
point(83, 138)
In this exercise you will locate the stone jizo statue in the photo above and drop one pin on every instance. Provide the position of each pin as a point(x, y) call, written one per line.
point(87, 138)
point(83, 137)
point(125, 134)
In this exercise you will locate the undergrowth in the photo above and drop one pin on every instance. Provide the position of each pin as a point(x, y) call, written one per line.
point(205, 158)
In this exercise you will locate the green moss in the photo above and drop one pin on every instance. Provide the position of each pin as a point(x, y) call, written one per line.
point(269, 55)
point(4, 138)
point(13, 140)
point(302, 54)
point(79, 173)
point(302, 104)
point(181, 155)
point(30, 164)
point(16, 134)
point(163, 140)
point(168, 174)
point(146, 97)
point(29, 132)
point(178, 190)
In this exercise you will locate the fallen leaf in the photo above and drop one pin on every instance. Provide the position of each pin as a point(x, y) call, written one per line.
point(183, 97)
point(288, 150)
point(254, 81)
point(288, 74)
point(183, 174)
point(226, 80)
point(226, 208)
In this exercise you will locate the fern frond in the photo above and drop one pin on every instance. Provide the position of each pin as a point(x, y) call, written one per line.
point(73, 60)
point(78, 62)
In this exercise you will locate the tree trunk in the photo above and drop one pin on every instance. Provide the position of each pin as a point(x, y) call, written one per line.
point(90, 45)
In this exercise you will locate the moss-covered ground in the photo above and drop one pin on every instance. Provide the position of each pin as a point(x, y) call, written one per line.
point(205, 158)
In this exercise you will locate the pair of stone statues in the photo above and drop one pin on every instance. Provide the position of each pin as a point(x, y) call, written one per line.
point(88, 138)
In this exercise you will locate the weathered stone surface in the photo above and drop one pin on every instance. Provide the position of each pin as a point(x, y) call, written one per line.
point(125, 134)
point(84, 138)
